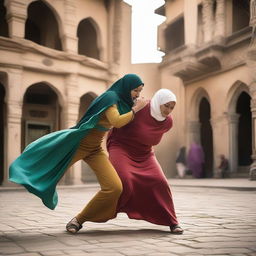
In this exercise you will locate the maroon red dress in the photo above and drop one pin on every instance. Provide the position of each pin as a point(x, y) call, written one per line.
point(146, 193)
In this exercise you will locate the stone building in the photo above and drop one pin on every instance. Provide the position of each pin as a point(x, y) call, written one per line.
point(56, 56)
point(207, 46)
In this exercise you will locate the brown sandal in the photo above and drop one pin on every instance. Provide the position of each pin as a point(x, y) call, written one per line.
point(176, 229)
point(73, 226)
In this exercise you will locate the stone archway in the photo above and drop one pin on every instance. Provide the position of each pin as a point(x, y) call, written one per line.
point(244, 132)
point(2, 125)
point(239, 115)
point(40, 112)
point(200, 128)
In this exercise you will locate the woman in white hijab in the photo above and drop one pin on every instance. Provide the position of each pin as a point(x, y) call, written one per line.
point(146, 192)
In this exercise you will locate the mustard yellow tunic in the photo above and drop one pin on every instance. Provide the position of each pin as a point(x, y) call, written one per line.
point(102, 206)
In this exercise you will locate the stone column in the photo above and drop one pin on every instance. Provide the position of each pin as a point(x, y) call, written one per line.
point(70, 116)
point(16, 17)
point(251, 63)
point(71, 108)
point(219, 31)
point(70, 40)
point(252, 174)
point(12, 140)
point(233, 119)
point(208, 20)
point(190, 22)
point(114, 35)
point(220, 137)
point(194, 132)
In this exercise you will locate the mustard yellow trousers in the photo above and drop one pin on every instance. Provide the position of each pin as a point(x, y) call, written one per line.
point(102, 206)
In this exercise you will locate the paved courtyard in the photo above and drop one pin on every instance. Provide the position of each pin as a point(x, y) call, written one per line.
point(217, 221)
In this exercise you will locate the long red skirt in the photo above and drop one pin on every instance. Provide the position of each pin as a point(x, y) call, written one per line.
point(146, 193)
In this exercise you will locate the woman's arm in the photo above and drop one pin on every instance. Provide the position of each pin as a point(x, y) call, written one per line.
point(117, 120)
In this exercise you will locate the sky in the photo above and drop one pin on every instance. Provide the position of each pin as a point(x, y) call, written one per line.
point(144, 30)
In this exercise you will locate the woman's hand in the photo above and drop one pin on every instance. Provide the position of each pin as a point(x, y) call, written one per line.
point(140, 104)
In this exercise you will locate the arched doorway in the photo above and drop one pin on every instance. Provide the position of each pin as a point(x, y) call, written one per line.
point(244, 132)
point(40, 112)
point(206, 136)
point(87, 39)
point(41, 26)
point(3, 23)
point(2, 124)
point(87, 174)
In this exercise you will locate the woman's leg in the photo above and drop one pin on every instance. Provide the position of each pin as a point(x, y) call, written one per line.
point(103, 205)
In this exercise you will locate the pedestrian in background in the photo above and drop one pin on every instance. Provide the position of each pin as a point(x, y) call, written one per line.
point(223, 168)
point(196, 160)
point(43, 162)
point(146, 193)
point(181, 162)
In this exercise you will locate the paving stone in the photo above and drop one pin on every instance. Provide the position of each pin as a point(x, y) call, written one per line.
point(25, 254)
point(213, 221)
point(10, 248)
point(52, 253)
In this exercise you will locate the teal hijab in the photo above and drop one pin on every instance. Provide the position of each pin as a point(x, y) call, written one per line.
point(44, 161)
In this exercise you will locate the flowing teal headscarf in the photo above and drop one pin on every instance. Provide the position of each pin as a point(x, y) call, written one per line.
point(44, 161)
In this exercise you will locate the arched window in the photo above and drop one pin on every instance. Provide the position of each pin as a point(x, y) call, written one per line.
point(3, 23)
point(175, 35)
point(87, 39)
point(41, 26)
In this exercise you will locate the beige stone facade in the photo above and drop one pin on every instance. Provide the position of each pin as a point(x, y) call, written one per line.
point(207, 46)
point(56, 56)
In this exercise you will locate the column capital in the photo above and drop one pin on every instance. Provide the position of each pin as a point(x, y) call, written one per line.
point(233, 118)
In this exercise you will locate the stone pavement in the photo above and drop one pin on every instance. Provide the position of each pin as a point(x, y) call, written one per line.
point(219, 218)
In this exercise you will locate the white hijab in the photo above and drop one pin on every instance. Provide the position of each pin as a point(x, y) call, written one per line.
point(161, 97)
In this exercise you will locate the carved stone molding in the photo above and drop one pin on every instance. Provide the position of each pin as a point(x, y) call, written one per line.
point(233, 118)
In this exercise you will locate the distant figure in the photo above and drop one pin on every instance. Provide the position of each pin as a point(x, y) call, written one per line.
point(223, 168)
point(181, 162)
point(196, 160)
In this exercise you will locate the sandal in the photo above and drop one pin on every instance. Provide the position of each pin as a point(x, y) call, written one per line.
point(73, 226)
point(176, 229)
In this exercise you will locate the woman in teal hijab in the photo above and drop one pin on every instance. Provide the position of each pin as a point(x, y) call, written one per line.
point(43, 162)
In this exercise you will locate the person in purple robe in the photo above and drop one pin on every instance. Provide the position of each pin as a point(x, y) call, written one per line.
point(146, 193)
point(195, 160)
